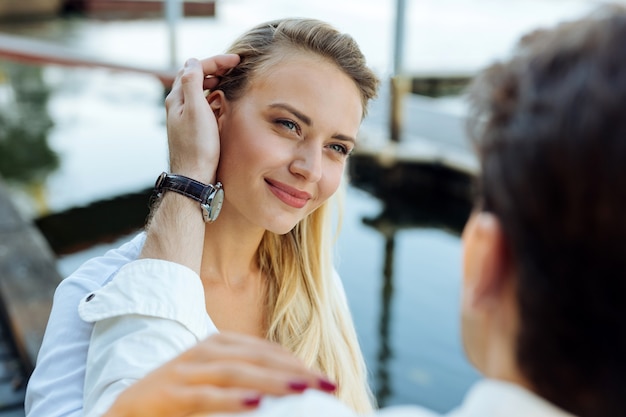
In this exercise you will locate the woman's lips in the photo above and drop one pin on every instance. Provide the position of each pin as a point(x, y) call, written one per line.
point(288, 195)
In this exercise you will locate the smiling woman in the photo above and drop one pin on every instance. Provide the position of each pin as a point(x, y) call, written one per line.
point(278, 138)
point(276, 128)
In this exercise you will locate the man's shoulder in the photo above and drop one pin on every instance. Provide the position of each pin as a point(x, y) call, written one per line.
point(315, 404)
point(406, 411)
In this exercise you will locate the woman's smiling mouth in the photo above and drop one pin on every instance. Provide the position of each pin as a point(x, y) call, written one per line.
point(288, 195)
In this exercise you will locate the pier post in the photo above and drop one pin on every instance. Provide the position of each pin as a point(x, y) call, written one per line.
point(173, 13)
point(399, 85)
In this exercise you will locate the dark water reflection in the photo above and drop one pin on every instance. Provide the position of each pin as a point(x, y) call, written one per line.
point(399, 259)
point(403, 285)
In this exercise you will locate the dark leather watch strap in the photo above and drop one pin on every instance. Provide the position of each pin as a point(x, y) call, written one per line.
point(185, 186)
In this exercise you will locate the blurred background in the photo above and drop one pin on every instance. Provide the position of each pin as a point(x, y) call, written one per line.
point(82, 139)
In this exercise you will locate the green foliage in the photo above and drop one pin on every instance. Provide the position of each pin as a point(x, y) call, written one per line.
point(24, 125)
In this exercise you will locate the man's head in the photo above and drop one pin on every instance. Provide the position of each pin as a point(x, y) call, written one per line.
point(545, 250)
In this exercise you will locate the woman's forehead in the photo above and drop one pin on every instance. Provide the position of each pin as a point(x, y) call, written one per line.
point(283, 56)
point(291, 64)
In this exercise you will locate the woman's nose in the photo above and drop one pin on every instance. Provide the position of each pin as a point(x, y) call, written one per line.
point(307, 162)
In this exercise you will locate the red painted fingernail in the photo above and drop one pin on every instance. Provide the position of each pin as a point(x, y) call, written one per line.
point(326, 385)
point(298, 386)
point(252, 402)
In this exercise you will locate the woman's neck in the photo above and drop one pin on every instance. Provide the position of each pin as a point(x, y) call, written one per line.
point(230, 253)
point(234, 287)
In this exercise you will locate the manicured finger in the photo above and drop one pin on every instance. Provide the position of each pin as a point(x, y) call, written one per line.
point(230, 374)
point(203, 400)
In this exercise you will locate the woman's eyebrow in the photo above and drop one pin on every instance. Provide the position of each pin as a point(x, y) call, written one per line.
point(344, 138)
point(307, 120)
point(304, 118)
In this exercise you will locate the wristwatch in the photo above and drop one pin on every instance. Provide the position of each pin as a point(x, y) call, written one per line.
point(209, 196)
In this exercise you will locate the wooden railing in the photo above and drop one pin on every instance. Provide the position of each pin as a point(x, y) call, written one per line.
point(31, 51)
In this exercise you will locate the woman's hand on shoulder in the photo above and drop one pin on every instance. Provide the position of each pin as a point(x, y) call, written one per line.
point(192, 131)
point(227, 372)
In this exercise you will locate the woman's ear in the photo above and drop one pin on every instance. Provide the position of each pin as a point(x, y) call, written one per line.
point(218, 103)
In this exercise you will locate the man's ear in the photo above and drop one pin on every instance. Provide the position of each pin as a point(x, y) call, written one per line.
point(217, 101)
point(487, 262)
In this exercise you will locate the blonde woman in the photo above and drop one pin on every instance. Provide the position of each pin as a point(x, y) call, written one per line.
point(273, 135)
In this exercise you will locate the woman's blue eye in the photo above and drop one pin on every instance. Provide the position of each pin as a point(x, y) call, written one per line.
point(340, 148)
point(291, 125)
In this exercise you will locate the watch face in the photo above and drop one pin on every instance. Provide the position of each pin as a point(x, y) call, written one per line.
point(212, 208)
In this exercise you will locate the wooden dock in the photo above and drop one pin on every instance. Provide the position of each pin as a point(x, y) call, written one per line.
point(28, 278)
point(436, 185)
point(12, 375)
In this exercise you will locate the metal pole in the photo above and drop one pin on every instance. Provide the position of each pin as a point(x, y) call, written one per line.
point(399, 83)
point(173, 13)
point(398, 39)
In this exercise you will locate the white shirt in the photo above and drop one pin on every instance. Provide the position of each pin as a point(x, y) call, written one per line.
point(155, 309)
point(141, 321)
point(55, 388)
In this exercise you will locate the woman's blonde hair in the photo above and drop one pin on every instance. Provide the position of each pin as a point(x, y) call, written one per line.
point(306, 306)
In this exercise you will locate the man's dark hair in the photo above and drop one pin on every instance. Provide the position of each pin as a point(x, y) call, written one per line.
point(549, 128)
